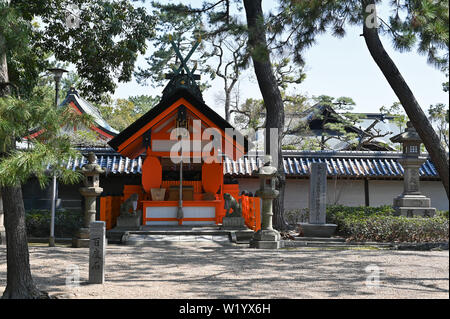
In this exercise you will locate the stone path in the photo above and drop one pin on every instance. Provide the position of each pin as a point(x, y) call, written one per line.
point(215, 270)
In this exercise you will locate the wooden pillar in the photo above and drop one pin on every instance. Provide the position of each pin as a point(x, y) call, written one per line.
point(366, 192)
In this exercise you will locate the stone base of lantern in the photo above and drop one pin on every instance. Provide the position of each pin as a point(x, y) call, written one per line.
point(266, 239)
point(413, 205)
point(317, 230)
point(415, 211)
point(81, 239)
point(412, 201)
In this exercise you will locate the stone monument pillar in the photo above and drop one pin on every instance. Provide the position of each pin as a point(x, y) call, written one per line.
point(267, 237)
point(411, 202)
point(2, 225)
point(90, 191)
point(97, 252)
point(317, 225)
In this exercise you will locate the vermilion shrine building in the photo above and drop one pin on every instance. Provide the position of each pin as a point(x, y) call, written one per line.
point(144, 158)
point(207, 140)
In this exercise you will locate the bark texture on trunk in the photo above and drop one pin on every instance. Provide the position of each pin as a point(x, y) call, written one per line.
point(3, 67)
point(19, 282)
point(271, 94)
point(227, 104)
point(407, 99)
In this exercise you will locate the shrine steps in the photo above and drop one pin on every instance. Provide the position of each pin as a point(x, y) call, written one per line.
point(149, 235)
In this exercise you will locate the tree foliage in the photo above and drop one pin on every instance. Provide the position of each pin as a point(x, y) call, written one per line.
point(102, 39)
point(438, 115)
point(40, 155)
point(420, 24)
point(124, 112)
point(102, 42)
point(175, 24)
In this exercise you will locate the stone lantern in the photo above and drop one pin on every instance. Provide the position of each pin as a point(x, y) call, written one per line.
point(267, 237)
point(411, 202)
point(90, 192)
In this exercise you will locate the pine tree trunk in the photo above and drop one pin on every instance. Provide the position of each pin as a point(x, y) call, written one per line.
point(406, 97)
point(19, 283)
point(227, 105)
point(271, 94)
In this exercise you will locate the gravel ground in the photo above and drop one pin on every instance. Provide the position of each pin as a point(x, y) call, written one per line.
point(218, 270)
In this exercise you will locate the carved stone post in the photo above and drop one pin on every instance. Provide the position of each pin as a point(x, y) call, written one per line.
point(90, 192)
point(317, 225)
point(411, 202)
point(97, 252)
point(267, 237)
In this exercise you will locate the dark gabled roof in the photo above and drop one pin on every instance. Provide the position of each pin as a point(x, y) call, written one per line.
point(316, 123)
point(85, 107)
point(164, 104)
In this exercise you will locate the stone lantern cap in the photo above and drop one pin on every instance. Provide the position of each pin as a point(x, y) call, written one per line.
point(267, 170)
point(91, 167)
point(410, 135)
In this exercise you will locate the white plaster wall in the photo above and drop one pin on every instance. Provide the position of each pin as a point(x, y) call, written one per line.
point(351, 192)
point(436, 192)
point(345, 192)
point(297, 192)
point(383, 192)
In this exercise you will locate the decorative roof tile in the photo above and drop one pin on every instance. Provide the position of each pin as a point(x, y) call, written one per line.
point(296, 164)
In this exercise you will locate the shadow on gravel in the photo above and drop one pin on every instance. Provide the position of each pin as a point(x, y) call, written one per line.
point(224, 271)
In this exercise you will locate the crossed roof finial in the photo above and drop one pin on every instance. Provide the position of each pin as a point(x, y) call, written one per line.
point(183, 77)
point(184, 61)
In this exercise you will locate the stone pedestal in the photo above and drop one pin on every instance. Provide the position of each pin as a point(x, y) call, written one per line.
point(81, 239)
point(234, 223)
point(317, 226)
point(317, 230)
point(129, 222)
point(267, 237)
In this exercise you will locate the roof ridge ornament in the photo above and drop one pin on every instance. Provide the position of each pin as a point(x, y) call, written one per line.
point(73, 91)
point(183, 76)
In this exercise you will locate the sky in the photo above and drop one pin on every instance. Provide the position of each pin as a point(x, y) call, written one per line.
point(334, 67)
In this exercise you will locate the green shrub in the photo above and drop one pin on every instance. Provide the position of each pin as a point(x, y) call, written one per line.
point(66, 223)
point(378, 224)
point(442, 213)
point(294, 216)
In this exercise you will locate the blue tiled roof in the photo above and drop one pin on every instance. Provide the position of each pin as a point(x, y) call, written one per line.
point(296, 164)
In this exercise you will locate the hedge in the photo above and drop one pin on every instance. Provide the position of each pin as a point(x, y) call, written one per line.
point(379, 224)
point(66, 223)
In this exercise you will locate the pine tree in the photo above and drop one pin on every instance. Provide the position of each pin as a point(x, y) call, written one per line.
point(102, 39)
point(426, 24)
